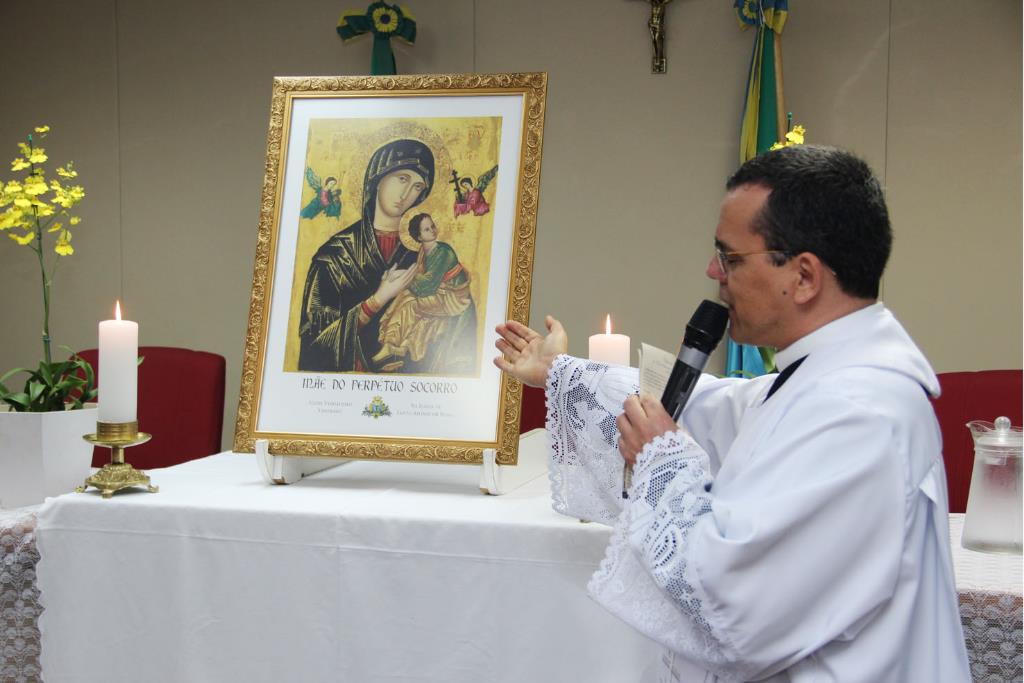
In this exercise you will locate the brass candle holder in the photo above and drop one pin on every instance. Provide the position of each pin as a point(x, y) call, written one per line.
point(117, 474)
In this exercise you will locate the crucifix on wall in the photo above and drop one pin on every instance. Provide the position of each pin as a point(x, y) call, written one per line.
point(657, 28)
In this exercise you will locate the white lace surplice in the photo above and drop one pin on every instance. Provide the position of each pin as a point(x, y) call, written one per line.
point(800, 539)
point(584, 399)
point(586, 468)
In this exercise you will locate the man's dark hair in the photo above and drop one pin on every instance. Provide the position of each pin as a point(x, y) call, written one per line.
point(827, 202)
point(414, 225)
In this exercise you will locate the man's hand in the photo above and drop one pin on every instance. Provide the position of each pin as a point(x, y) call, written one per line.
point(642, 419)
point(528, 355)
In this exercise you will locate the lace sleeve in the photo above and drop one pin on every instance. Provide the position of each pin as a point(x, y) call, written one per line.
point(583, 400)
point(645, 578)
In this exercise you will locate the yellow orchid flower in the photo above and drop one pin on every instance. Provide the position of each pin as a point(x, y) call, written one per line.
point(33, 206)
point(35, 185)
point(9, 219)
point(793, 137)
point(63, 246)
point(796, 136)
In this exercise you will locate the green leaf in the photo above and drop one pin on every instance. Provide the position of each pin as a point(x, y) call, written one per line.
point(45, 373)
point(139, 361)
point(35, 390)
point(90, 375)
point(19, 401)
point(13, 372)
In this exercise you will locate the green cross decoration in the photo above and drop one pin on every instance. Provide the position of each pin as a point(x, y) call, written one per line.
point(385, 22)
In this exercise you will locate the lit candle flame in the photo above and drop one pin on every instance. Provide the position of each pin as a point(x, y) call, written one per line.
point(117, 310)
point(608, 324)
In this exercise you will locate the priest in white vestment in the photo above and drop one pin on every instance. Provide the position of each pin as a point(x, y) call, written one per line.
point(791, 527)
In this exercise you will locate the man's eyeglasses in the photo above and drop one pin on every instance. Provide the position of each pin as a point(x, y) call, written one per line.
point(728, 259)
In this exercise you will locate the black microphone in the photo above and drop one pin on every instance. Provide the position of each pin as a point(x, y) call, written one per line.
point(705, 329)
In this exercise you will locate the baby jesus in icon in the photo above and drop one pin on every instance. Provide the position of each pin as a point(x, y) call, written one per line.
point(432, 305)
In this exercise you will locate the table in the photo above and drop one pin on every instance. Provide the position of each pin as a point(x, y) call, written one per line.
point(989, 587)
point(159, 542)
point(367, 572)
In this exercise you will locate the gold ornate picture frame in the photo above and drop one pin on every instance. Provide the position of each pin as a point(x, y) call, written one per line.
point(397, 229)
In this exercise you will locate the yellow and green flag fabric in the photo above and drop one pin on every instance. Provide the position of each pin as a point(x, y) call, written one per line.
point(759, 131)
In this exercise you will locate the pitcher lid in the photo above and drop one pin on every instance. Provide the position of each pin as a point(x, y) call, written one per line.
point(997, 434)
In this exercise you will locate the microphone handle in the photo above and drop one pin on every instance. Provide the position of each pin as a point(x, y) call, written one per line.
point(683, 379)
point(681, 382)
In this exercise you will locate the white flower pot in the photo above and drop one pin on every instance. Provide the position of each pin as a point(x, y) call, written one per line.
point(43, 454)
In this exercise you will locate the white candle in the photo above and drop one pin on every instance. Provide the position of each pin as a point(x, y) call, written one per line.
point(608, 347)
point(119, 372)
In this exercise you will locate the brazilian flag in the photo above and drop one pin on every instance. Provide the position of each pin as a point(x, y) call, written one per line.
point(764, 124)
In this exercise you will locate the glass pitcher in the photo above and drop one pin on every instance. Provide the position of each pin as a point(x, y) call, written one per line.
point(994, 504)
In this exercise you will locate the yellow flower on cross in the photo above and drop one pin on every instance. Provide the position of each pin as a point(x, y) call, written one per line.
point(385, 20)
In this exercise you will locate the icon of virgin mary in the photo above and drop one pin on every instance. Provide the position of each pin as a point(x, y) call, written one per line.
point(358, 272)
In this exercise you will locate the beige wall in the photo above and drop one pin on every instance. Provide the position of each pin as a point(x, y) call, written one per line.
point(164, 108)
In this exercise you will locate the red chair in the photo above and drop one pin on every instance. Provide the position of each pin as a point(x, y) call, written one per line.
point(181, 403)
point(534, 409)
point(966, 396)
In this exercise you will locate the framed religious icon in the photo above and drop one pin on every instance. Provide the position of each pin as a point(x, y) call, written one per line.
point(397, 228)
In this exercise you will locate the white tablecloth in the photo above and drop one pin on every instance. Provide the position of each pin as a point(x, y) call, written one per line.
point(368, 572)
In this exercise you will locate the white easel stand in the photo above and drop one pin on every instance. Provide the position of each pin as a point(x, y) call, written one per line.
point(495, 479)
point(288, 469)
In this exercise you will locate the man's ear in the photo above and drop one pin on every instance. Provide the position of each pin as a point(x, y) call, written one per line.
point(810, 275)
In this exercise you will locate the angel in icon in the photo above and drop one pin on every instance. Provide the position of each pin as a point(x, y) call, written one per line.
point(327, 199)
point(469, 196)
